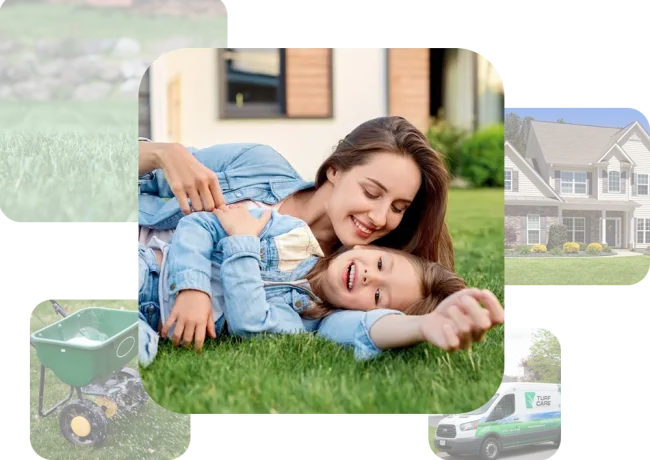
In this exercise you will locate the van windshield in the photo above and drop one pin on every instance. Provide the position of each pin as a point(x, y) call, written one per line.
point(484, 407)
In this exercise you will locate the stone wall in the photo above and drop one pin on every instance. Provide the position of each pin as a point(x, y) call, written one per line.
point(592, 222)
point(513, 216)
point(51, 69)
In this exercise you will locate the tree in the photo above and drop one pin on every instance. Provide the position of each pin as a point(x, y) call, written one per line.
point(561, 120)
point(516, 131)
point(544, 360)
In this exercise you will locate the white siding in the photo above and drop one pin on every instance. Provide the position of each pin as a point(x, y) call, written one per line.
point(359, 82)
point(526, 187)
point(637, 150)
point(614, 165)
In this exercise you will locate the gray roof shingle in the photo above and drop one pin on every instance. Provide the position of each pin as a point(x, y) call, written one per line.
point(564, 143)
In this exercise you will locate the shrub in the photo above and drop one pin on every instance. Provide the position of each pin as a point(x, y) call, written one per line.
point(539, 248)
point(571, 248)
point(448, 141)
point(556, 251)
point(482, 157)
point(596, 246)
point(510, 235)
point(523, 249)
point(592, 251)
point(557, 236)
point(607, 249)
point(583, 246)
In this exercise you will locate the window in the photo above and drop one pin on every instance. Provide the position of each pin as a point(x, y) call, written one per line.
point(575, 229)
point(505, 408)
point(254, 83)
point(507, 180)
point(614, 181)
point(574, 182)
point(643, 237)
point(642, 186)
point(275, 82)
point(533, 228)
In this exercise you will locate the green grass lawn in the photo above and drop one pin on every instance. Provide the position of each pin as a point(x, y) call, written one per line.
point(151, 432)
point(587, 271)
point(307, 374)
point(35, 21)
point(432, 437)
point(69, 162)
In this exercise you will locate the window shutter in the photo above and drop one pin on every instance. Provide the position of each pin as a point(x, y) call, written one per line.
point(515, 181)
point(308, 82)
point(589, 184)
point(408, 85)
point(523, 239)
point(587, 230)
point(635, 186)
point(605, 181)
point(557, 181)
point(542, 230)
point(623, 178)
point(635, 233)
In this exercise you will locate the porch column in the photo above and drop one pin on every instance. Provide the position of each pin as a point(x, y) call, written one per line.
point(603, 226)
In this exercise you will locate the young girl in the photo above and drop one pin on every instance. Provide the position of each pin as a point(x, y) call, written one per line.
point(257, 271)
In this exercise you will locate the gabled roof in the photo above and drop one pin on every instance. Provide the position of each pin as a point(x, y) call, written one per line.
point(613, 142)
point(526, 168)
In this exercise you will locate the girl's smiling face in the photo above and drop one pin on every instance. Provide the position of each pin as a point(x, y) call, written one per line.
point(367, 279)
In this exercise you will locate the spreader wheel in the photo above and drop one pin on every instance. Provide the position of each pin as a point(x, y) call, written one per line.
point(135, 395)
point(108, 405)
point(83, 422)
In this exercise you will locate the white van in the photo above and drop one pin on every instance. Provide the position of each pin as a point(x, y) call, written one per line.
point(518, 414)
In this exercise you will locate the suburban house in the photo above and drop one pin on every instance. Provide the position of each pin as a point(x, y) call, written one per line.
point(302, 101)
point(593, 179)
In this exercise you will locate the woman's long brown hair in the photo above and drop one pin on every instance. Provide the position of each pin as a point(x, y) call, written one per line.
point(422, 231)
point(435, 282)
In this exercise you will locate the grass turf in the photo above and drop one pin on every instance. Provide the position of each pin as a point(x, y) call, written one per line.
point(307, 374)
point(59, 160)
point(45, 21)
point(149, 432)
point(587, 271)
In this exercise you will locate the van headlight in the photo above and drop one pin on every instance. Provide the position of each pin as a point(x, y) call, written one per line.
point(469, 425)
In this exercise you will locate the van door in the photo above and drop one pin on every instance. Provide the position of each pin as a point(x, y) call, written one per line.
point(541, 416)
point(503, 421)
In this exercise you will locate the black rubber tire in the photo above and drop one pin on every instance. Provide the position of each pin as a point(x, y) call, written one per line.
point(490, 449)
point(95, 416)
point(557, 442)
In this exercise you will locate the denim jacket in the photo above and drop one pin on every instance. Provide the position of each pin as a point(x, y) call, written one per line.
point(263, 279)
point(245, 172)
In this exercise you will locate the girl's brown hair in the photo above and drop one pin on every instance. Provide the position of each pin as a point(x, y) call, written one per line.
point(422, 231)
point(436, 283)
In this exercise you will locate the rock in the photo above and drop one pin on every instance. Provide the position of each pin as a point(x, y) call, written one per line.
point(133, 68)
point(8, 46)
point(160, 47)
point(80, 70)
point(48, 49)
point(98, 46)
point(93, 91)
point(130, 87)
point(109, 72)
point(32, 91)
point(126, 48)
point(6, 92)
point(19, 71)
point(50, 68)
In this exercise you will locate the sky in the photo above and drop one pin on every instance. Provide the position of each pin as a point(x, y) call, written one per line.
point(518, 342)
point(613, 118)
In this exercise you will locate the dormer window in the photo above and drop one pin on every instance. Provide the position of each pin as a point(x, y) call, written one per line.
point(614, 181)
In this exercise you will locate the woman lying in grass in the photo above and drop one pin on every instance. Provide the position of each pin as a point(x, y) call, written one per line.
point(251, 271)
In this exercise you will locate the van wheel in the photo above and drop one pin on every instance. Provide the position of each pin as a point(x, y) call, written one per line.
point(490, 449)
point(557, 441)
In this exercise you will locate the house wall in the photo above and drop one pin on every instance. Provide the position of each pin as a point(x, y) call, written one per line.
point(526, 187)
point(615, 165)
point(359, 92)
point(639, 152)
point(591, 181)
point(513, 215)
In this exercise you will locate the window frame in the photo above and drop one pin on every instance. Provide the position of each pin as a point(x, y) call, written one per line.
point(573, 183)
point(611, 189)
point(573, 230)
point(643, 229)
point(529, 229)
point(506, 181)
point(646, 185)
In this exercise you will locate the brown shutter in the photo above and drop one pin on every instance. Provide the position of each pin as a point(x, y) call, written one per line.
point(309, 82)
point(633, 179)
point(623, 180)
point(557, 181)
point(408, 85)
point(605, 182)
point(515, 181)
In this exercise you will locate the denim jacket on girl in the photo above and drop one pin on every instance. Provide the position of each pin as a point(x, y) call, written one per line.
point(263, 278)
point(245, 172)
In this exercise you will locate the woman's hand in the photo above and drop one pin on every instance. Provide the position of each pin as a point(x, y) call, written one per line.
point(462, 316)
point(188, 178)
point(192, 313)
point(237, 220)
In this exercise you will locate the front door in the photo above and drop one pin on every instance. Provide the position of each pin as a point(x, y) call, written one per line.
point(610, 232)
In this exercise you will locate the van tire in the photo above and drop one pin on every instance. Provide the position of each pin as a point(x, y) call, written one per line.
point(557, 441)
point(490, 449)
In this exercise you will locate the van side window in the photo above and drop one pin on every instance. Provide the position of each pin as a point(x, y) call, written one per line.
point(506, 407)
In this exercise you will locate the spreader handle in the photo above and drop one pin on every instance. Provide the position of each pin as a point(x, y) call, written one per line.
point(58, 308)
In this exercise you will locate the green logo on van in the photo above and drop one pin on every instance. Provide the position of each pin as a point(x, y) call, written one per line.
point(530, 399)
